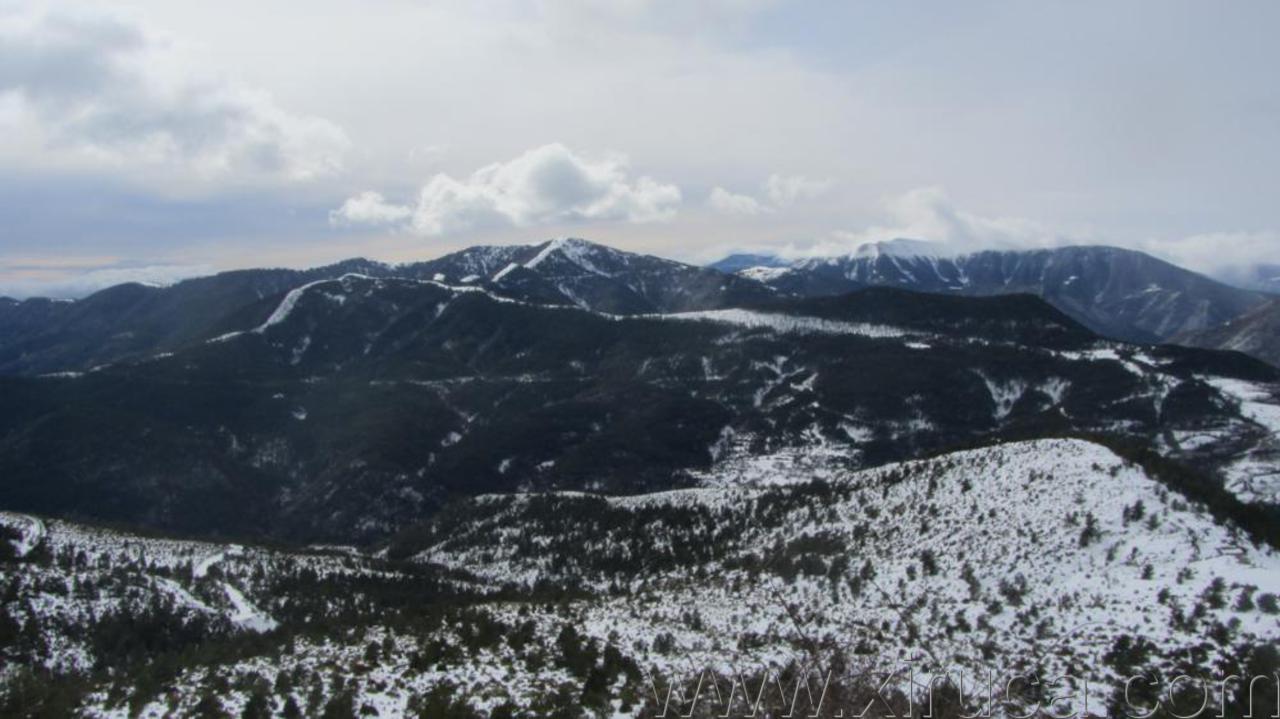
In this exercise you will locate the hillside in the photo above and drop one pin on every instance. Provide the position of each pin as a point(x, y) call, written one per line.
point(1053, 555)
point(1255, 333)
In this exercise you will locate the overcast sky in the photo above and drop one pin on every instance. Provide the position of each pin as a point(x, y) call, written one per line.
point(152, 138)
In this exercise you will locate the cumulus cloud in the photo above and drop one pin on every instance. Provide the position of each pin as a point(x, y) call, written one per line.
point(99, 90)
point(928, 213)
point(369, 208)
point(729, 203)
point(784, 190)
point(546, 185)
point(779, 191)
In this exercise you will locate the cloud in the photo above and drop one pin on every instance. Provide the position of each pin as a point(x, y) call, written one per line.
point(1229, 255)
point(927, 213)
point(369, 208)
point(721, 200)
point(781, 191)
point(546, 185)
point(99, 91)
point(784, 190)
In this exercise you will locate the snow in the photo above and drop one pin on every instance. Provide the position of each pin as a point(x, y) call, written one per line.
point(992, 519)
point(286, 306)
point(246, 615)
point(32, 531)
point(574, 250)
point(505, 271)
point(1004, 393)
point(1056, 388)
point(1257, 402)
point(201, 569)
point(1254, 476)
point(546, 252)
point(1105, 354)
point(791, 324)
point(1010, 514)
point(763, 274)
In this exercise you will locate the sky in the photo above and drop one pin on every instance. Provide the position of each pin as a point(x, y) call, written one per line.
point(154, 139)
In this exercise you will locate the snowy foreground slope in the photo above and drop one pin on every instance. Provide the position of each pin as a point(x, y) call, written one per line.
point(1054, 556)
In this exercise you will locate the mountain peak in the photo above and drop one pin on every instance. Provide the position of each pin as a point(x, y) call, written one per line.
point(901, 247)
point(573, 249)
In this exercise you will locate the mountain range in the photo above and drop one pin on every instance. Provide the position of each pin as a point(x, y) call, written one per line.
point(1118, 293)
point(343, 407)
point(532, 480)
point(39, 336)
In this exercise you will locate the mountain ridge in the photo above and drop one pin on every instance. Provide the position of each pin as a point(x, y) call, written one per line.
point(1121, 293)
point(352, 405)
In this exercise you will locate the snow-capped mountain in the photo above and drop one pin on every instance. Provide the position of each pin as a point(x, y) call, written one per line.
point(1119, 293)
point(39, 336)
point(593, 276)
point(547, 475)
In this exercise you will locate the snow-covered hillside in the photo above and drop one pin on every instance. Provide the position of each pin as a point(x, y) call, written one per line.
point(1040, 554)
point(1055, 556)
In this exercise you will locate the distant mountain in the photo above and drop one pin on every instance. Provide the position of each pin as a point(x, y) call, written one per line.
point(734, 263)
point(1262, 277)
point(1255, 333)
point(591, 276)
point(347, 407)
point(1119, 293)
point(131, 321)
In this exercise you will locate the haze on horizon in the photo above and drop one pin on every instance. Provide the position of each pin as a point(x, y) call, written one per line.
point(152, 140)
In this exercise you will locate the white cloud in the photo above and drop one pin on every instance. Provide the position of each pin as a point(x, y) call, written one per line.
point(784, 190)
point(927, 213)
point(1230, 255)
point(781, 191)
point(369, 208)
point(98, 91)
point(546, 185)
point(729, 203)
